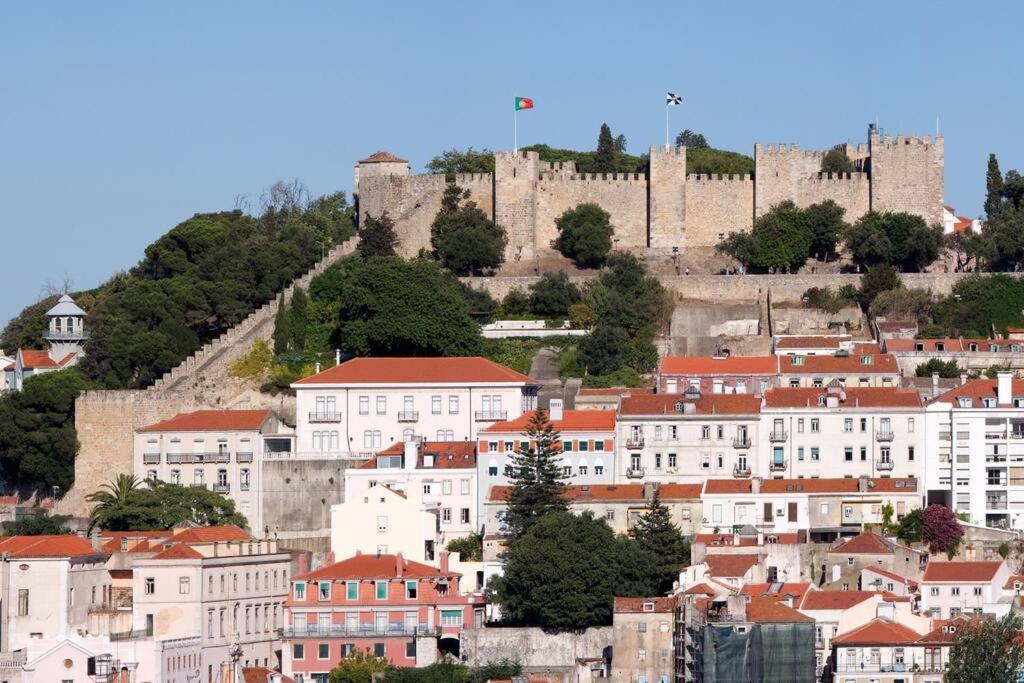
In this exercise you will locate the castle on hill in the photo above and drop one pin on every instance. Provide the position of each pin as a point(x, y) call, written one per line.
point(663, 210)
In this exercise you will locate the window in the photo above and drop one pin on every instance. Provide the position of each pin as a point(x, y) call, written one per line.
point(823, 509)
point(910, 452)
point(351, 590)
point(609, 514)
point(435, 405)
point(324, 590)
point(382, 405)
point(582, 470)
point(381, 590)
point(934, 591)
point(977, 590)
point(149, 586)
point(641, 654)
point(410, 649)
point(567, 470)
point(815, 455)
point(451, 617)
point(298, 651)
point(720, 431)
point(598, 470)
point(671, 459)
point(184, 585)
point(364, 405)
point(378, 649)
point(453, 405)
point(411, 590)
point(800, 425)
point(954, 591)
point(22, 602)
point(657, 461)
point(446, 516)
point(300, 590)
point(848, 454)
point(705, 431)
point(815, 425)
point(848, 424)
point(800, 453)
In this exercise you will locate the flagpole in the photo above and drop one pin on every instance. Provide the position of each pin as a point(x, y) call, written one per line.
point(515, 130)
point(666, 124)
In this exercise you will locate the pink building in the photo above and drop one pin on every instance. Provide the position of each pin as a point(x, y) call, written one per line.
point(384, 604)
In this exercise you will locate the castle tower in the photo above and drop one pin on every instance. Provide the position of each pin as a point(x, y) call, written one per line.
point(66, 332)
point(515, 205)
point(378, 165)
point(666, 198)
point(907, 174)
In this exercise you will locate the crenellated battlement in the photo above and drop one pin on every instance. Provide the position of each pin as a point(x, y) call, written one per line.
point(857, 176)
point(593, 177)
point(472, 178)
point(925, 140)
point(719, 178)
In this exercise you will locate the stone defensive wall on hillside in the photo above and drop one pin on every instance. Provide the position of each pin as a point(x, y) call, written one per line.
point(663, 209)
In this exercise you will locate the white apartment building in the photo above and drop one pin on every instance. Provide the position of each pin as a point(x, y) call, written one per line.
point(975, 445)
point(863, 367)
point(951, 589)
point(444, 472)
point(48, 587)
point(812, 345)
point(688, 437)
point(841, 431)
point(385, 521)
point(587, 443)
point(365, 405)
point(218, 583)
point(222, 450)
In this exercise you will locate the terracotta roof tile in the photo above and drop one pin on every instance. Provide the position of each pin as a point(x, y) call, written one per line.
point(46, 546)
point(729, 540)
point(730, 566)
point(839, 485)
point(881, 363)
point(700, 589)
point(572, 421)
point(372, 567)
point(978, 389)
point(949, 344)
point(178, 551)
point(962, 572)
point(878, 632)
point(707, 404)
point(636, 605)
point(777, 591)
point(261, 674)
point(1014, 578)
point(694, 366)
point(467, 370)
point(613, 492)
point(944, 631)
point(811, 341)
point(727, 486)
point(447, 454)
point(893, 576)
point(865, 542)
point(382, 157)
point(764, 610)
point(826, 599)
point(36, 359)
point(211, 534)
point(613, 391)
point(212, 420)
point(851, 397)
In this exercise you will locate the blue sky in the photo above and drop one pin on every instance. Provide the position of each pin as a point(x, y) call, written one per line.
point(118, 120)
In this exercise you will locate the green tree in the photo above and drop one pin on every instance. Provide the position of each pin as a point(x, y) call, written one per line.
point(825, 221)
point(390, 307)
point(536, 484)
point(111, 499)
point(903, 303)
point(38, 444)
point(987, 651)
point(124, 505)
point(604, 350)
point(911, 527)
point(899, 239)
point(553, 294)
point(946, 368)
point(469, 160)
point(620, 143)
point(875, 280)
point(358, 667)
point(656, 533)
point(604, 158)
point(298, 317)
point(377, 236)
point(585, 235)
point(582, 316)
point(463, 238)
point(625, 296)
point(836, 161)
point(993, 187)
point(470, 548)
point(781, 239)
point(282, 331)
point(516, 303)
point(25, 330)
point(1001, 245)
point(38, 525)
point(979, 303)
point(691, 140)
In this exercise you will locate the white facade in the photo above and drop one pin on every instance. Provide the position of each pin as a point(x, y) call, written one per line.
point(952, 589)
point(387, 522)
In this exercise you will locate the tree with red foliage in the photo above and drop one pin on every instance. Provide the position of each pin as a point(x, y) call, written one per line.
point(942, 531)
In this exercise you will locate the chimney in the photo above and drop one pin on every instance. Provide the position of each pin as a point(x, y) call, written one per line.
point(555, 412)
point(963, 378)
point(317, 371)
point(94, 538)
point(399, 565)
point(411, 454)
point(1004, 384)
point(649, 488)
point(736, 537)
point(303, 563)
point(337, 356)
point(443, 561)
point(935, 384)
point(760, 538)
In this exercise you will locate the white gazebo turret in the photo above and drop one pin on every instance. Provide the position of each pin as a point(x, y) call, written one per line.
point(66, 332)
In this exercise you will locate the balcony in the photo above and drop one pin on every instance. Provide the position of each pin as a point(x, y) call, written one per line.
point(777, 436)
point(635, 473)
point(65, 336)
point(198, 458)
point(131, 635)
point(150, 458)
point(324, 416)
point(243, 456)
point(12, 660)
point(884, 435)
point(222, 488)
point(990, 436)
point(777, 465)
point(741, 442)
point(884, 465)
point(408, 416)
point(635, 442)
point(362, 630)
point(995, 504)
point(490, 415)
point(739, 471)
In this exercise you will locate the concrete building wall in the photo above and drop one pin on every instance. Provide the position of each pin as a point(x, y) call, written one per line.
point(297, 493)
point(534, 648)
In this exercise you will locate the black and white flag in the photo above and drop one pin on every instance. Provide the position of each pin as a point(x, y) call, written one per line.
point(671, 99)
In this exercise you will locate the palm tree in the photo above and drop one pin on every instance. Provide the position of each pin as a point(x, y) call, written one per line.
point(110, 497)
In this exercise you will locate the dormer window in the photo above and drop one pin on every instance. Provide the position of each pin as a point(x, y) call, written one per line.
point(1015, 348)
point(940, 346)
point(988, 402)
point(867, 360)
point(679, 406)
point(798, 360)
point(648, 606)
point(821, 400)
point(972, 347)
point(918, 346)
point(964, 402)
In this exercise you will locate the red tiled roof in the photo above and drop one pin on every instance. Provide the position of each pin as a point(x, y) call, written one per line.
point(944, 631)
point(693, 366)
point(978, 389)
point(729, 540)
point(730, 566)
point(865, 542)
point(960, 572)
point(949, 344)
point(839, 485)
point(212, 420)
point(466, 370)
point(962, 224)
point(679, 491)
point(372, 567)
point(878, 632)
point(178, 551)
point(707, 404)
point(261, 674)
point(36, 359)
point(765, 590)
point(447, 454)
point(852, 364)
point(891, 575)
point(636, 605)
point(764, 610)
point(820, 600)
point(613, 391)
point(382, 157)
point(811, 342)
point(1014, 578)
point(211, 534)
point(613, 492)
point(8, 500)
point(700, 588)
point(855, 397)
point(727, 486)
point(46, 546)
point(572, 421)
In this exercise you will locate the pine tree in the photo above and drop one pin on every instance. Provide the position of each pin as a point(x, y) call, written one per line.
point(377, 236)
point(537, 486)
point(657, 534)
point(604, 159)
point(298, 321)
point(993, 186)
point(282, 331)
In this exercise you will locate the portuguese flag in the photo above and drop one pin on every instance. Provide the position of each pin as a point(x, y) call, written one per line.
point(523, 103)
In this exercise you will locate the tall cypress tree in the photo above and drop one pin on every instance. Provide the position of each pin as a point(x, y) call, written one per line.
point(299, 319)
point(282, 331)
point(993, 187)
point(604, 159)
point(657, 534)
point(538, 488)
point(377, 236)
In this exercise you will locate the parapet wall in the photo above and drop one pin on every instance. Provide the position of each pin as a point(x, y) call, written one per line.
point(622, 195)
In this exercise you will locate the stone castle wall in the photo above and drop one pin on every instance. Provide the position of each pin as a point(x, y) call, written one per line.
point(664, 209)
